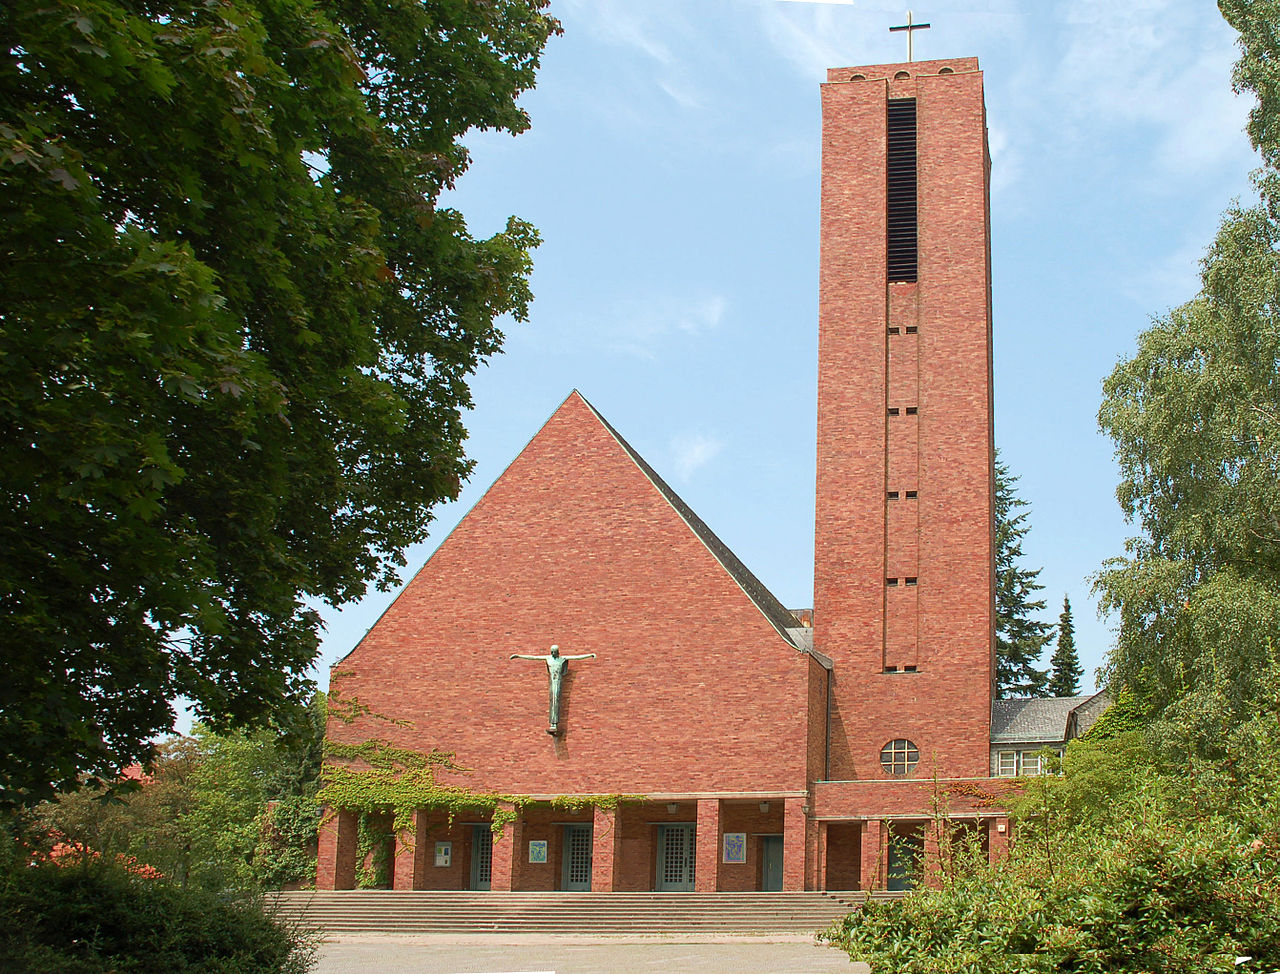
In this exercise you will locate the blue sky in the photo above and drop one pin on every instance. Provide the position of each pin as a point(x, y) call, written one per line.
point(672, 168)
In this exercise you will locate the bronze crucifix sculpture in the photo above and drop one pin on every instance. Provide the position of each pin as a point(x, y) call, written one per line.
point(556, 667)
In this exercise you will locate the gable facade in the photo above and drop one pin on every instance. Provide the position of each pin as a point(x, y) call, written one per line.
point(576, 545)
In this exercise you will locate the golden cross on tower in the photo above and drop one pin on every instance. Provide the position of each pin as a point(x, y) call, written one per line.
point(910, 28)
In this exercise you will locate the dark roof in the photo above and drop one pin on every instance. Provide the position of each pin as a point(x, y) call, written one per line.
point(1030, 719)
point(773, 610)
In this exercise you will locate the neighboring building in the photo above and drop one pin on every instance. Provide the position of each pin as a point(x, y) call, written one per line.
point(770, 754)
point(1023, 728)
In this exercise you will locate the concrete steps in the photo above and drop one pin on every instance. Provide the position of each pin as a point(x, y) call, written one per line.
point(386, 911)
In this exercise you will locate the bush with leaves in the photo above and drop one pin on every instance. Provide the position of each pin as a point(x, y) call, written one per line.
point(94, 918)
point(1114, 867)
point(224, 811)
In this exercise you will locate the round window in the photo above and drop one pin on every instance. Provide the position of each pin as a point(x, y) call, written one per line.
point(899, 757)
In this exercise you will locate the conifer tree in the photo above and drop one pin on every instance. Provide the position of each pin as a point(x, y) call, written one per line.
point(1020, 637)
point(1064, 680)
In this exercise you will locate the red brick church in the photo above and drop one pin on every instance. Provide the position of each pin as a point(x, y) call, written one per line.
point(769, 754)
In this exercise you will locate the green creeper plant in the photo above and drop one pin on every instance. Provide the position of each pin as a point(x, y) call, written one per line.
point(375, 777)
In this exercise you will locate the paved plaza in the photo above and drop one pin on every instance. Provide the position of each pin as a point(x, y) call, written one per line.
point(441, 954)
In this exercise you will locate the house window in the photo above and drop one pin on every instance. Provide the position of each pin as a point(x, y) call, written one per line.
point(1030, 762)
point(899, 757)
point(1007, 764)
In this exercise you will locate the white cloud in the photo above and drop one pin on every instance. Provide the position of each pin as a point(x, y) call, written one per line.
point(703, 314)
point(1006, 163)
point(1157, 67)
point(658, 50)
point(682, 93)
point(813, 37)
point(617, 22)
point(1174, 273)
point(692, 451)
point(643, 326)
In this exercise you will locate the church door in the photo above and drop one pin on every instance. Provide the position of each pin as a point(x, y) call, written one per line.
point(575, 873)
point(906, 851)
point(771, 863)
point(675, 858)
point(481, 856)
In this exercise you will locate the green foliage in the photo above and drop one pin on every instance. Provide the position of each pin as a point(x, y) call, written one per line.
point(235, 337)
point(376, 778)
point(1065, 672)
point(1258, 72)
point(1125, 715)
point(1085, 789)
point(95, 919)
point(1194, 416)
point(375, 851)
point(1020, 638)
point(221, 811)
point(286, 842)
point(1114, 867)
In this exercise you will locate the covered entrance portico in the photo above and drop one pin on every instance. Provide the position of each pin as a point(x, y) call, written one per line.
point(665, 843)
point(898, 853)
point(661, 844)
point(878, 835)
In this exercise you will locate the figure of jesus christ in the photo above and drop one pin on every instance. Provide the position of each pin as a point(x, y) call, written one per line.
point(556, 666)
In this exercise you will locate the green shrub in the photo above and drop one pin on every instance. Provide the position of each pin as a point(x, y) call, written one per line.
point(1157, 885)
point(94, 918)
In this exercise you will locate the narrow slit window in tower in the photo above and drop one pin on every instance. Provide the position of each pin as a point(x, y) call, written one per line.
point(901, 188)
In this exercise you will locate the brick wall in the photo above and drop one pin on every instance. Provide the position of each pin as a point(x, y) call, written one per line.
point(574, 545)
point(943, 624)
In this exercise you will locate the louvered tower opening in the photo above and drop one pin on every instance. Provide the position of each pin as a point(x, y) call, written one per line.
point(903, 237)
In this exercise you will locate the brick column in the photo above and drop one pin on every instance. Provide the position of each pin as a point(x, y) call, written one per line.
point(707, 846)
point(931, 867)
point(408, 868)
point(820, 864)
point(336, 856)
point(873, 853)
point(506, 856)
point(997, 838)
point(402, 862)
point(326, 848)
point(793, 825)
point(606, 841)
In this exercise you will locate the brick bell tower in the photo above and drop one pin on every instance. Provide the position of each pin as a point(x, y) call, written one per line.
point(904, 573)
